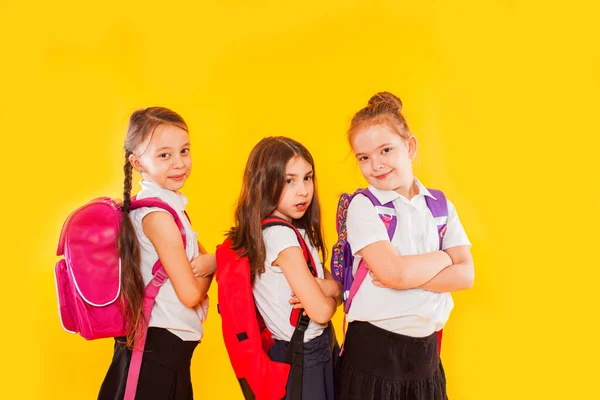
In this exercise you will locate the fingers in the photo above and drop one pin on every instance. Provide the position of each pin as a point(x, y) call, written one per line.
point(375, 281)
point(294, 300)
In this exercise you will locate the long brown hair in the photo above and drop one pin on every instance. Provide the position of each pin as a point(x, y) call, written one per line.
point(141, 125)
point(382, 108)
point(262, 185)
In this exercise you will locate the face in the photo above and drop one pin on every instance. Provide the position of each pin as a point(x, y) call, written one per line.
point(164, 157)
point(385, 158)
point(297, 191)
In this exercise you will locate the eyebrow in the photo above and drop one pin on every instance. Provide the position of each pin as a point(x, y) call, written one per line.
point(383, 145)
point(308, 173)
point(169, 148)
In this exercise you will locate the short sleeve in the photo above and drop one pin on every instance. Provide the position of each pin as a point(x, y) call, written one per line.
point(364, 224)
point(277, 239)
point(137, 216)
point(455, 234)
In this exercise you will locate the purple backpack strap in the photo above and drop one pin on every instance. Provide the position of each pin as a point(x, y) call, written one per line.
point(439, 210)
point(390, 222)
point(150, 293)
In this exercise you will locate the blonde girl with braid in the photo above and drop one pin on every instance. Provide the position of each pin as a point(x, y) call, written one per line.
point(157, 146)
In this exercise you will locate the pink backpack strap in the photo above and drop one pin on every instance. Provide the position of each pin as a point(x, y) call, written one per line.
point(150, 293)
point(390, 222)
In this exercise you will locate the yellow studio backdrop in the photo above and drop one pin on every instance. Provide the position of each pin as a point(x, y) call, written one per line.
point(502, 95)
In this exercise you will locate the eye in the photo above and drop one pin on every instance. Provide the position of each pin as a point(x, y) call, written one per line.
point(164, 155)
point(308, 178)
point(363, 158)
point(289, 181)
point(386, 150)
point(185, 151)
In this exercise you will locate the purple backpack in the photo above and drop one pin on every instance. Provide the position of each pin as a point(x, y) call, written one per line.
point(342, 258)
point(88, 278)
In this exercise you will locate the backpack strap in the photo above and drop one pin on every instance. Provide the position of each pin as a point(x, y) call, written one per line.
point(150, 293)
point(387, 214)
point(439, 209)
point(297, 320)
point(273, 220)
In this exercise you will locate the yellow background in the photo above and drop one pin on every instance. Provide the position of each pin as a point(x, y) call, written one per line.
point(503, 96)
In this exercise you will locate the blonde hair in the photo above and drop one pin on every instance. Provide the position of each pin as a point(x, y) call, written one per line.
point(384, 108)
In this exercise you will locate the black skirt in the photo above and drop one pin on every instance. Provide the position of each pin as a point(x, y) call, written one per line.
point(165, 371)
point(320, 356)
point(382, 365)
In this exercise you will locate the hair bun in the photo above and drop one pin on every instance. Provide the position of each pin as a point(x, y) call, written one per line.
point(386, 99)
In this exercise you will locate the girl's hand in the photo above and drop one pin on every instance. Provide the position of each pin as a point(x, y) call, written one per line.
point(330, 287)
point(295, 302)
point(204, 266)
point(376, 281)
point(117, 201)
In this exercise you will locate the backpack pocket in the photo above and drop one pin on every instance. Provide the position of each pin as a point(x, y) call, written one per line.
point(66, 300)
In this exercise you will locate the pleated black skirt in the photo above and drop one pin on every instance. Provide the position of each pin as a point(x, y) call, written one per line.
point(165, 371)
point(382, 365)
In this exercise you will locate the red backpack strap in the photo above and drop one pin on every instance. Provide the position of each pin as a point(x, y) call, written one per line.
point(273, 220)
point(297, 320)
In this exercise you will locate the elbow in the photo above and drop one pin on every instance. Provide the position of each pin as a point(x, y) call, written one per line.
point(190, 303)
point(470, 278)
point(192, 298)
point(321, 318)
point(396, 275)
point(399, 280)
point(467, 276)
point(325, 313)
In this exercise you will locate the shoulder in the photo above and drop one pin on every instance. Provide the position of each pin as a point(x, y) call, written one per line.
point(359, 204)
point(276, 236)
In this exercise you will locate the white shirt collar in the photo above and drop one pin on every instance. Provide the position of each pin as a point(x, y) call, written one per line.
point(386, 196)
point(175, 199)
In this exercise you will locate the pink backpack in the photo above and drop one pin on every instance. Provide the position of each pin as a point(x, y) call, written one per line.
point(88, 278)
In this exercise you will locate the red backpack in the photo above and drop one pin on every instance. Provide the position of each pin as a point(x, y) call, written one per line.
point(246, 336)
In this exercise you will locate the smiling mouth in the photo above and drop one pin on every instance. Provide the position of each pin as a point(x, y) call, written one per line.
point(383, 176)
point(177, 177)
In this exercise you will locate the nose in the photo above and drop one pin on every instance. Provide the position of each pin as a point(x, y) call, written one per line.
point(303, 189)
point(376, 164)
point(177, 162)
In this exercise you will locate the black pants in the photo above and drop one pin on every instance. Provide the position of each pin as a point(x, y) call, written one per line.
point(165, 371)
point(382, 365)
point(319, 361)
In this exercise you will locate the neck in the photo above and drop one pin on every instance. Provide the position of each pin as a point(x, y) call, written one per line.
point(408, 191)
point(281, 215)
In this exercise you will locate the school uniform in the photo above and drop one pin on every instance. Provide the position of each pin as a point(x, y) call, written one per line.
point(272, 293)
point(174, 329)
point(391, 349)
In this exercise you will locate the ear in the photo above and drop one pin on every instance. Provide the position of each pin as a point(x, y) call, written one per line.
point(413, 145)
point(135, 162)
